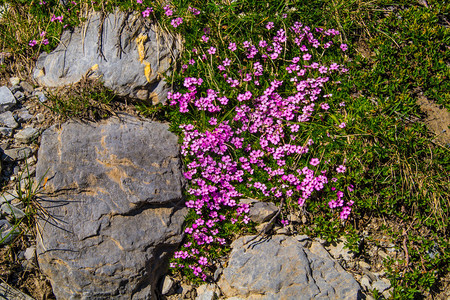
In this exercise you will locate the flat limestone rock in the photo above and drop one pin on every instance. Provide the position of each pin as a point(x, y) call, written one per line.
point(128, 55)
point(285, 267)
point(114, 194)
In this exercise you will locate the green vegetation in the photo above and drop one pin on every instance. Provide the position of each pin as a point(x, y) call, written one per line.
point(396, 51)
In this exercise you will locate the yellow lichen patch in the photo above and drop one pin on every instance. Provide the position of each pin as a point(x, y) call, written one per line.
point(147, 70)
point(40, 73)
point(94, 67)
point(140, 40)
point(140, 46)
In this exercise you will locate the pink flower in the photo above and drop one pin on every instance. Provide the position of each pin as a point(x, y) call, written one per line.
point(232, 47)
point(168, 11)
point(203, 261)
point(307, 56)
point(341, 169)
point(324, 106)
point(146, 13)
point(139, 1)
point(269, 25)
point(43, 33)
point(32, 43)
point(314, 161)
point(176, 22)
point(44, 42)
point(344, 47)
point(212, 50)
point(342, 125)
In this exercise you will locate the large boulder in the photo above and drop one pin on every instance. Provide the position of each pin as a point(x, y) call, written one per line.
point(284, 267)
point(129, 55)
point(113, 207)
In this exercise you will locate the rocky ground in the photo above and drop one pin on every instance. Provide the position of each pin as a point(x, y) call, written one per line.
point(25, 114)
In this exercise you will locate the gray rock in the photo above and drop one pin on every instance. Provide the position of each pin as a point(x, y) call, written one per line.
point(339, 251)
point(115, 191)
point(206, 292)
point(8, 120)
point(41, 97)
point(17, 154)
point(23, 115)
point(260, 212)
point(167, 285)
point(40, 118)
point(7, 100)
point(14, 80)
point(12, 211)
point(365, 283)
point(381, 285)
point(129, 58)
point(281, 267)
point(30, 253)
point(19, 96)
point(27, 87)
point(7, 232)
point(12, 293)
point(5, 131)
point(27, 135)
point(8, 196)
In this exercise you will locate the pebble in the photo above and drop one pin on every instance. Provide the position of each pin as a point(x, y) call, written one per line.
point(381, 285)
point(12, 211)
point(167, 285)
point(7, 232)
point(365, 283)
point(206, 292)
point(26, 135)
point(17, 153)
point(7, 100)
point(5, 131)
point(40, 118)
point(8, 196)
point(363, 264)
point(27, 87)
point(23, 115)
point(14, 80)
point(19, 95)
point(8, 120)
point(30, 253)
point(31, 161)
point(41, 97)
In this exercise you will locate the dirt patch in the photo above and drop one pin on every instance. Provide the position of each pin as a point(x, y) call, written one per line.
point(437, 120)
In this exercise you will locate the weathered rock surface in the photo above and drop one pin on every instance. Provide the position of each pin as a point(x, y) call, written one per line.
point(7, 100)
point(114, 190)
point(129, 55)
point(284, 267)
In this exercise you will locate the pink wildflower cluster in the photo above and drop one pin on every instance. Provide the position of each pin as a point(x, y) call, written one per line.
point(222, 157)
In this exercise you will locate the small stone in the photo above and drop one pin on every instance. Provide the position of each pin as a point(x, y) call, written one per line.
point(40, 118)
point(262, 226)
point(167, 285)
point(381, 285)
point(339, 251)
point(27, 87)
point(14, 80)
point(388, 293)
point(206, 292)
point(15, 88)
point(8, 120)
point(30, 253)
point(31, 161)
point(7, 100)
point(5, 131)
point(19, 96)
point(285, 230)
point(365, 283)
point(217, 273)
point(23, 115)
point(185, 288)
point(13, 211)
point(294, 218)
point(7, 232)
point(383, 254)
point(17, 154)
point(261, 212)
point(8, 196)
point(142, 94)
point(41, 97)
point(363, 264)
point(26, 135)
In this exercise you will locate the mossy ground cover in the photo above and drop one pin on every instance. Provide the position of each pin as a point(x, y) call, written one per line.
point(396, 173)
